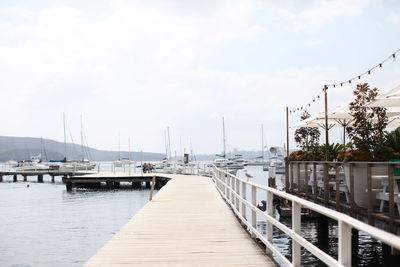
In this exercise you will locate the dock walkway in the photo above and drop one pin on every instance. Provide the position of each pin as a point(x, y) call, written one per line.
point(187, 223)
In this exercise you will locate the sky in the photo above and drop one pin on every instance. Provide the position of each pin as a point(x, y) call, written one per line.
point(134, 68)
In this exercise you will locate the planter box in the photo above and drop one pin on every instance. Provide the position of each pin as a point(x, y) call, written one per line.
point(360, 182)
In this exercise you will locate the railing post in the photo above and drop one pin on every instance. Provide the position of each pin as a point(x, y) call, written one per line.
point(226, 179)
point(298, 177)
point(306, 178)
point(315, 181)
point(233, 197)
point(326, 184)
point(228, 182)
point(269, 224)
point(287, 176)
point(237, 187)
point(352, 203)
point(254, 202)
point(244, 197)
point(369, 188)
point(344, 246)
point(337, 178)
point(296, 226)
point(391, 198)
point(291, 176)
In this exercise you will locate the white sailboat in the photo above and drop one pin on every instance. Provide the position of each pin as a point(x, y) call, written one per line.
point(118, 162)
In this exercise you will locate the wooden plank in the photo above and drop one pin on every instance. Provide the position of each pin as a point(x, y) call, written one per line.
point(186, 224)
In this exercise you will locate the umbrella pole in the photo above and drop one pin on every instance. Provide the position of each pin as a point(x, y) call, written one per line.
point(326, 124)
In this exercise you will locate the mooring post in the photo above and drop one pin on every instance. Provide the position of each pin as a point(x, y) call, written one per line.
point(68, 185)
point(40, 178)
point(52, 179)
point(25, 177)
point(1, 178)
point(153, 181)
point(15, 178)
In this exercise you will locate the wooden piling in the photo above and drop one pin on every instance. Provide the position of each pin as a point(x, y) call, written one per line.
point(25, 178)
point(15, 178)
point(68, 185)
point(40, 178)
point(153, 181)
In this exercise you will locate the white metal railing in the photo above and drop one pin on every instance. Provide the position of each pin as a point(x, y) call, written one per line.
point(193, 168)
point(233, 190)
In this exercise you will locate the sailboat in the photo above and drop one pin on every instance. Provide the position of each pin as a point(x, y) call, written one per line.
point(118, 162)
point(72, 165)
point(233, 164)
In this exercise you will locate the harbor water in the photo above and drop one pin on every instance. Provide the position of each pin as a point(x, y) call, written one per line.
point(44, 225)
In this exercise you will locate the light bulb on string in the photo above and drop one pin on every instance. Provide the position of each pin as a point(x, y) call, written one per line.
point(380, 67)
point(341, 85)
point(369, 74)
point(394, 57)
point(359, 78)
point(349, 83)
point(334, 87)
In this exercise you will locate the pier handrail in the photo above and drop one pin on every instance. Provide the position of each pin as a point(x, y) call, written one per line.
point(233, 190)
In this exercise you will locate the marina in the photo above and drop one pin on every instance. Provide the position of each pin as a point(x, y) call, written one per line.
point(200, 133)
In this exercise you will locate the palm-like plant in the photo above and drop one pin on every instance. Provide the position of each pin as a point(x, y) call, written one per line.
point(393, 140)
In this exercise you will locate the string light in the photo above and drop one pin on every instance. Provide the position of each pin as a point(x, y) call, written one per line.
point(355, 78)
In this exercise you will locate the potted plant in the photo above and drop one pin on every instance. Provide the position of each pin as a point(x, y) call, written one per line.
point(368, 141)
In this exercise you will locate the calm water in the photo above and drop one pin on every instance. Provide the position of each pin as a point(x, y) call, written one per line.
point(43, 225)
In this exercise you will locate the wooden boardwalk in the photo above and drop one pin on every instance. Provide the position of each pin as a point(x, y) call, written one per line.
point(186, 224)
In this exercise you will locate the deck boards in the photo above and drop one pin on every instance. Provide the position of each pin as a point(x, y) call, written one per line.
point(186, 224)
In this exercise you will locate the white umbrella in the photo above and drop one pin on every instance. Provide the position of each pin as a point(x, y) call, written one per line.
point(316, 120)
point(388, 99)
point(393, 122)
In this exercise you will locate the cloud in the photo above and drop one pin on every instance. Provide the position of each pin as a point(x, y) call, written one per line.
point(393, 18)
point(319, 12)
point(315, 42)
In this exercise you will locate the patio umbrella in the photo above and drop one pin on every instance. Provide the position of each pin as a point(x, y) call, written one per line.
point(388, 99)
point(315, 120)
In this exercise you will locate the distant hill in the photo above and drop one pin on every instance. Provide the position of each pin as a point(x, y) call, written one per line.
point(19, 148)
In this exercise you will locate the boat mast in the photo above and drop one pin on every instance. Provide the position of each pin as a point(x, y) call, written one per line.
point(83, 157)
point(119, 146)
point(262, 142)
point(223, 133)
point(191, 150)
point(166, 145)
point(65, 138)
point(169, 144)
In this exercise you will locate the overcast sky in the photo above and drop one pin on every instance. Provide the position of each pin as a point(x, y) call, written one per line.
point(136, 67)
